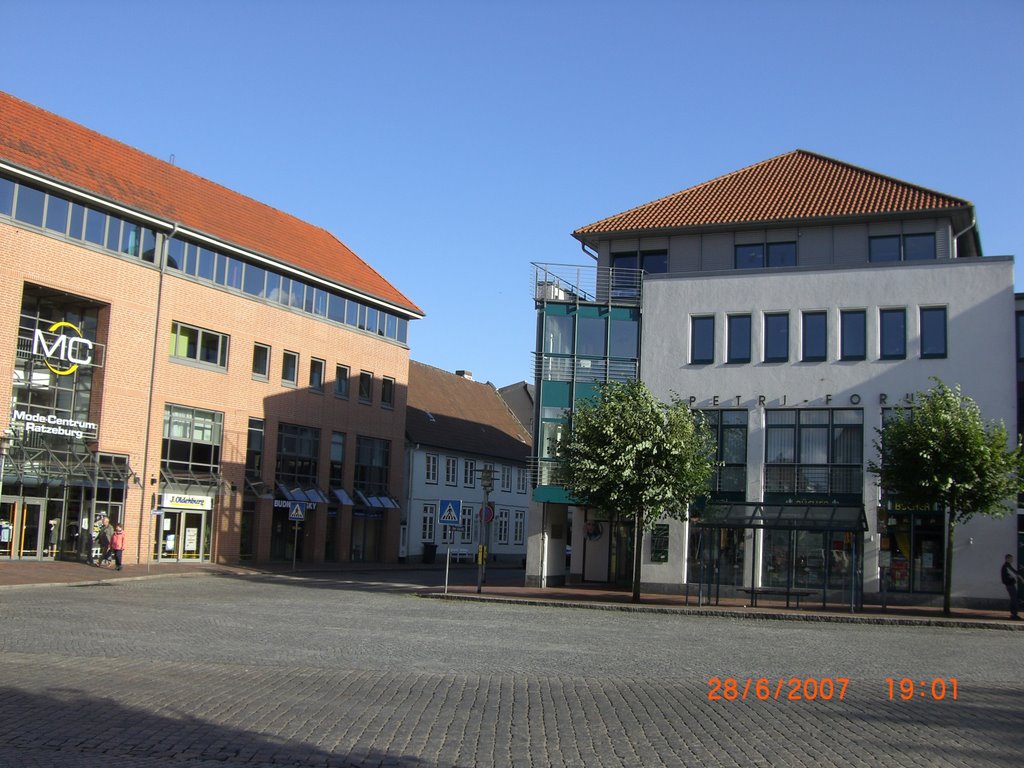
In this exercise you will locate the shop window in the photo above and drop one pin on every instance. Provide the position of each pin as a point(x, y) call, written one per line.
point(659, 544)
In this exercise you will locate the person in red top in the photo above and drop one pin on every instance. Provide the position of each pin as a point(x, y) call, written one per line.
point(117, 545)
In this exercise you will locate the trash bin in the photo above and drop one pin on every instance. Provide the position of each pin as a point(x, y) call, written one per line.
point(429, 552)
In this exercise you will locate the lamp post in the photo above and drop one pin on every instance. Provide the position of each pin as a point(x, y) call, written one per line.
point(487, 483)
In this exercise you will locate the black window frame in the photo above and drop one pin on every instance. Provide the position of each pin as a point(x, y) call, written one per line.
point(697, 323)
point(930, 311)
point(735, 354)
point(853, 321)
point(805, 333)
point(886, 331)
point(769, 334)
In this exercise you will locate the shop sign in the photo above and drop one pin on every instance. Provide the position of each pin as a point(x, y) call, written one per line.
point(185, 501)
point(63, 348)
point(51, 424)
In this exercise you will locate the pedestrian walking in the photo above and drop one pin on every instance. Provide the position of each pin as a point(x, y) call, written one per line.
point(116, 546)
point(104, 533)
point(1010, 576)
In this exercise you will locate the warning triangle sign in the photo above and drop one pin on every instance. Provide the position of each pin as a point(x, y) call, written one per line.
point(449, 515)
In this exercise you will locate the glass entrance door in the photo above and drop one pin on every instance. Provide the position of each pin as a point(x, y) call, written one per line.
point(23, 529)
point(181, 535)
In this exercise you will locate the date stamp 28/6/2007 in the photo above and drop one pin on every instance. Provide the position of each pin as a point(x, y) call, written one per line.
point(827, 689)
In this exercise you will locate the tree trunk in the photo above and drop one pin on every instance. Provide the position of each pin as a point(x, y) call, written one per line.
point(947, 587)
point(638, 539)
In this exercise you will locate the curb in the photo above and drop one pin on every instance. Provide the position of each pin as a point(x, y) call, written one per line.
point(1005, 626)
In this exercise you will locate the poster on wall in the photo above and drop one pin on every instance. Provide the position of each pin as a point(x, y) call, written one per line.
point(191, 538)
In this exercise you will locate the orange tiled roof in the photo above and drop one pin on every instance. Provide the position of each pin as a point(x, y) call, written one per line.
point(449, 411)
point(796, 186)
point(64, 151)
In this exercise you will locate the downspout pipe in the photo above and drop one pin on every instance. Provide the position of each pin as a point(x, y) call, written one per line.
point(965, 230)
point(149, 397)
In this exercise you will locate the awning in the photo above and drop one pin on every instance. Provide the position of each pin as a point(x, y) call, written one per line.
point(305, 494)
point(258, 488)
point(342, 497)
point(791, 517)
point(187, 481)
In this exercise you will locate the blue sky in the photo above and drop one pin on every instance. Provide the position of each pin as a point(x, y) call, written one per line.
point(451, 143)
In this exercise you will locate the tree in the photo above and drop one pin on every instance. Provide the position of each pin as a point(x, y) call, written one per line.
point(939, 452)
point(628, 453)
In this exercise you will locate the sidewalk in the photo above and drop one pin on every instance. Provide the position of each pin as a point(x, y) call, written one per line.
point(55, 573)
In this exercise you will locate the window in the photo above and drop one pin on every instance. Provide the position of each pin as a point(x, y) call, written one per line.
point(341, 381)
point(906, 248)
point(654, 262)
point(518, 526)
point(506, 478)
point(387, 392)
point(739, 339)
point(625, 274)
point(30, 206)
point(702, 340)
point(451, 470)
point(853, 334)
point(933, 332)
point(892, 324)
point(749, 256)
point(254, 450)
point(260, 361)
point(729, 428)
point(591, 335)
point(776, 337)
point(815, 336)
point(191, 441)
point(373, 465)
point(290, 368)
point(469, 473)
point(502, 521)
point(520, 480)
point(430, 468)
point(816, 452)
point(659, 543)
point(365, 387)
point(337, 468)
point(781, 254)
point(919, 247)
point(199, 345)
point(316, 375)
point(427, 529)
point(298, 454)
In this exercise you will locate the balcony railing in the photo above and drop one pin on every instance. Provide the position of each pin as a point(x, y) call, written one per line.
point(587, 284)
point(583, 369)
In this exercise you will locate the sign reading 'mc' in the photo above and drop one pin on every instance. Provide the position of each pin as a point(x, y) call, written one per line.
point(63, 348)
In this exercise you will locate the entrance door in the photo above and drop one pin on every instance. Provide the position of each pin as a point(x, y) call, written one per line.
point(23, 529)
point(181, 535)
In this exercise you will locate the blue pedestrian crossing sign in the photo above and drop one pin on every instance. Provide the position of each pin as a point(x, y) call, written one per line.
point(449, 512)
point(296, 510)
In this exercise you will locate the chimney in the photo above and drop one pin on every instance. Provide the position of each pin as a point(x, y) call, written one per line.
point(465, 374)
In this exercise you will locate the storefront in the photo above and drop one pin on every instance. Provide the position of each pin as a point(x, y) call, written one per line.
point(912, 551)
point(183, 522)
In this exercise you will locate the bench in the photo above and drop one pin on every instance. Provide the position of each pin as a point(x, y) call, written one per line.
point(776, 592)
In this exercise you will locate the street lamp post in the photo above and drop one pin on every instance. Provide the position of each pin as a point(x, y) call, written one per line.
point(487, 483)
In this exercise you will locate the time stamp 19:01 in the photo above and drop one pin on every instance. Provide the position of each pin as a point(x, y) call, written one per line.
point(825, 688)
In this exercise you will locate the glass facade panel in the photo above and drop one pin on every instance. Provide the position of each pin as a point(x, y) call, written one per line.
point(30, 206)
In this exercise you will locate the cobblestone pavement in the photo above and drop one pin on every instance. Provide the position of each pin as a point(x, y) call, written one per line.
point(251, 670)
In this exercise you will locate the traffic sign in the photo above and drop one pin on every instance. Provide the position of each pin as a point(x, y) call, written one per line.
point(487, 512)
point(449, 512)
point(296, 510)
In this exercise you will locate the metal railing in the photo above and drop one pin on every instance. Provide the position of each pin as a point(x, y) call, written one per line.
point(587, 284)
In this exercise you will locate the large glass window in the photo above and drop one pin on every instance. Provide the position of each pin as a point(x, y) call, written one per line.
point(885, 248)
point(702, 340)
point(337, 468)
point(590, 336)
point(298, 454)
point(892, 325)
point(373, 464)
point(933, 331)
point(913, 247)
point(199, 345)
point(739, 338)
point(191, 440)
point(776, 337)
point(730, 430)
point(30, 206)
point(918, 247)
point(814, 452)
point(814, 337)
point(558, 334)
point(254, 450)
point(853, 334)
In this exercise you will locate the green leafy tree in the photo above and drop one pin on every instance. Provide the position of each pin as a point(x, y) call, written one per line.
point(629, 454)
point(940, 452)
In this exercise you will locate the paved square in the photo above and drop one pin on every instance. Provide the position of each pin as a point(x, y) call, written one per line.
point(273, 671)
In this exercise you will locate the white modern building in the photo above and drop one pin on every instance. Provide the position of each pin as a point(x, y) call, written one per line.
point(463, 445)
point(794, 302)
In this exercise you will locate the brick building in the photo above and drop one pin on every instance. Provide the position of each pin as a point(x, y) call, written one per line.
point(199, 366)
